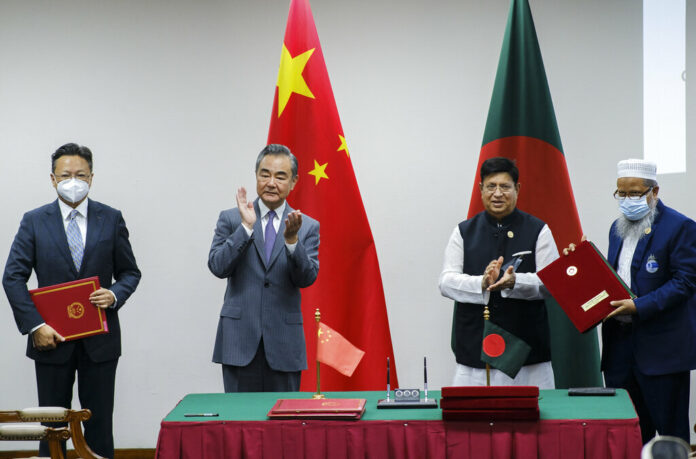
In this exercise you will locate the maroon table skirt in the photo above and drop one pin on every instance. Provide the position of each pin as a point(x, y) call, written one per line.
point(567, 439)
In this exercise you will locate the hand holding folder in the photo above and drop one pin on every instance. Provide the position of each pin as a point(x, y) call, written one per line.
point(585, 286)
point(67, 310)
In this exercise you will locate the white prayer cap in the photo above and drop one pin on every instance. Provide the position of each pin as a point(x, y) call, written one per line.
point(638, 168)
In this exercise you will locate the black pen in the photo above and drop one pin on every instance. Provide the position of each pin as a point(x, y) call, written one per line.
point(200, 415)
point(388, 388)
point(425, 378)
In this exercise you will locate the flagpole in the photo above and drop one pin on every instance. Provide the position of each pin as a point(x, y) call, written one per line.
point(318, 395)
point(486, 316)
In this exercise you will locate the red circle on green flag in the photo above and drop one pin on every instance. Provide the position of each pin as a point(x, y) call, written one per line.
point(493, 345)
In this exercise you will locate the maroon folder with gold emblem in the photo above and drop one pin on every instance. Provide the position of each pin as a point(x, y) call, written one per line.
point(328, 408)
point(583, 283)
point(67, 309)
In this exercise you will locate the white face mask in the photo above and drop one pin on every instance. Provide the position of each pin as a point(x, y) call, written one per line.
point(73, 190)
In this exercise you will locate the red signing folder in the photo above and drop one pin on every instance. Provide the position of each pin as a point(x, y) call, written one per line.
point(583, 283)
point(489, 391)
point(327, 408)
point(67, 309)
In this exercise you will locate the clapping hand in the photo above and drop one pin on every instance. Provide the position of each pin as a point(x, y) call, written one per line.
point(293, 223)
point(246, 209)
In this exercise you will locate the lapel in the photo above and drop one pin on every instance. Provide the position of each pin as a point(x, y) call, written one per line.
point(643, 244)
point(56, 230)
point(95, 224)
point(615, 248)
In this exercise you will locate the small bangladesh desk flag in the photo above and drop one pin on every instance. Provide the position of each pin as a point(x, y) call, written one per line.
point(336, 351)
point(503, 350)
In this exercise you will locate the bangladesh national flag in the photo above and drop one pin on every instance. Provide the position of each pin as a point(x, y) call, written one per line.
point(521, 125)
point(503, 350)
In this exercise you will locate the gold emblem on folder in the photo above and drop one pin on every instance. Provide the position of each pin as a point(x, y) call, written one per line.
point(76, 310)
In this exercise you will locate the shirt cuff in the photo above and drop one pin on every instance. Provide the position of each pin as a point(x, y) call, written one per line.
point(37, 327)
point(248, 231)
point(291, 247)
point(113, 306)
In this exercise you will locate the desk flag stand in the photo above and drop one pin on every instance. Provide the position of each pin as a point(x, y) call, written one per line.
point(487, 316)
point(338, 353)
point(318, 395)
point(507, 353)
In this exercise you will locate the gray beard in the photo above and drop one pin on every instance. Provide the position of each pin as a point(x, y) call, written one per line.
point(627, 229)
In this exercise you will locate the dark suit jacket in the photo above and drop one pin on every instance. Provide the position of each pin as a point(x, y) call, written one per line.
point(664, 330)
point(262, 298)
point(41, 245)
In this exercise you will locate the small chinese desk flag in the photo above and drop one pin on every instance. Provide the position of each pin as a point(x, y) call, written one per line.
point(503, 350)
point(336, 351)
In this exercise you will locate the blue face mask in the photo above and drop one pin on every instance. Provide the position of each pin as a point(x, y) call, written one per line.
point(634, 210)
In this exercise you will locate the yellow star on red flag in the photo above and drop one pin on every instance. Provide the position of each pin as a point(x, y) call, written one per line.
point(290, 79)
point(344, 146)
point(319, 171)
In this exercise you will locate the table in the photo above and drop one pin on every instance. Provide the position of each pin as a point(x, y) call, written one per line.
point(570, 427)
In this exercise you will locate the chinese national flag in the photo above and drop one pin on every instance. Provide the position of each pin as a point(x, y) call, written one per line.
point(522, 126)
point(336, 351)
point(349, 287)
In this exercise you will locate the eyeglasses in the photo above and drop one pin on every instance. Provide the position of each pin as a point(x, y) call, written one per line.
point(80, 176)
point(632, 195)
point(504, 188)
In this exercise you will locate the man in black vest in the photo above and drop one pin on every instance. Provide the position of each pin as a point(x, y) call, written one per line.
point(471, 276)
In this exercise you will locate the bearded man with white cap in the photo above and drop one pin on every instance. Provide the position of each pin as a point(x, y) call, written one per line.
point(649, 343)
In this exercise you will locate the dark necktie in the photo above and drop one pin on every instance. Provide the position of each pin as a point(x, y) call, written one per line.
point(270, 236)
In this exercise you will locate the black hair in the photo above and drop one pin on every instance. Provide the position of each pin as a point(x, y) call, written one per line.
point(497, 165)
point(72, 149)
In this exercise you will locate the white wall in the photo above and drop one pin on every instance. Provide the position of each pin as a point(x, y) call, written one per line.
point(174, 99)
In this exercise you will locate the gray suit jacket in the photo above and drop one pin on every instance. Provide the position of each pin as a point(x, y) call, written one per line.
point(262, 299)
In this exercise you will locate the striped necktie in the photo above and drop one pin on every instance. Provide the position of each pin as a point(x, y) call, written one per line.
point(77, 247)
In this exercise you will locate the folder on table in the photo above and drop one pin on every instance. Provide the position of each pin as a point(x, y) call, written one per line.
point(490, 403)
point(583, 283)
point(66, 308)
point(327, 408)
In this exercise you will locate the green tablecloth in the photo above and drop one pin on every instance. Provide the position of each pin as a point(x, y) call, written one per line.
point(553, 404)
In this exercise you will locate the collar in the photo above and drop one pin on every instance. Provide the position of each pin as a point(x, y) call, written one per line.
point(506, 221)
point(263, 209)
point(66, 209)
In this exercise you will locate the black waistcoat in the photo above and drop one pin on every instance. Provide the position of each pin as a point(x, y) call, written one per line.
point(486, 239)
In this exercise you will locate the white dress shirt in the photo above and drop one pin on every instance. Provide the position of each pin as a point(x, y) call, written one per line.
point(466, 288)
point(628, 248)
point(80, 219)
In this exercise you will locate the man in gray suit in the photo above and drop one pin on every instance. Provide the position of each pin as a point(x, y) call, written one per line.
point(260, 340)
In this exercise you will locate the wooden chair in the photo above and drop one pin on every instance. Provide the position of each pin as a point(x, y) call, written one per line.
point(23, 432)
point(53, 435)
